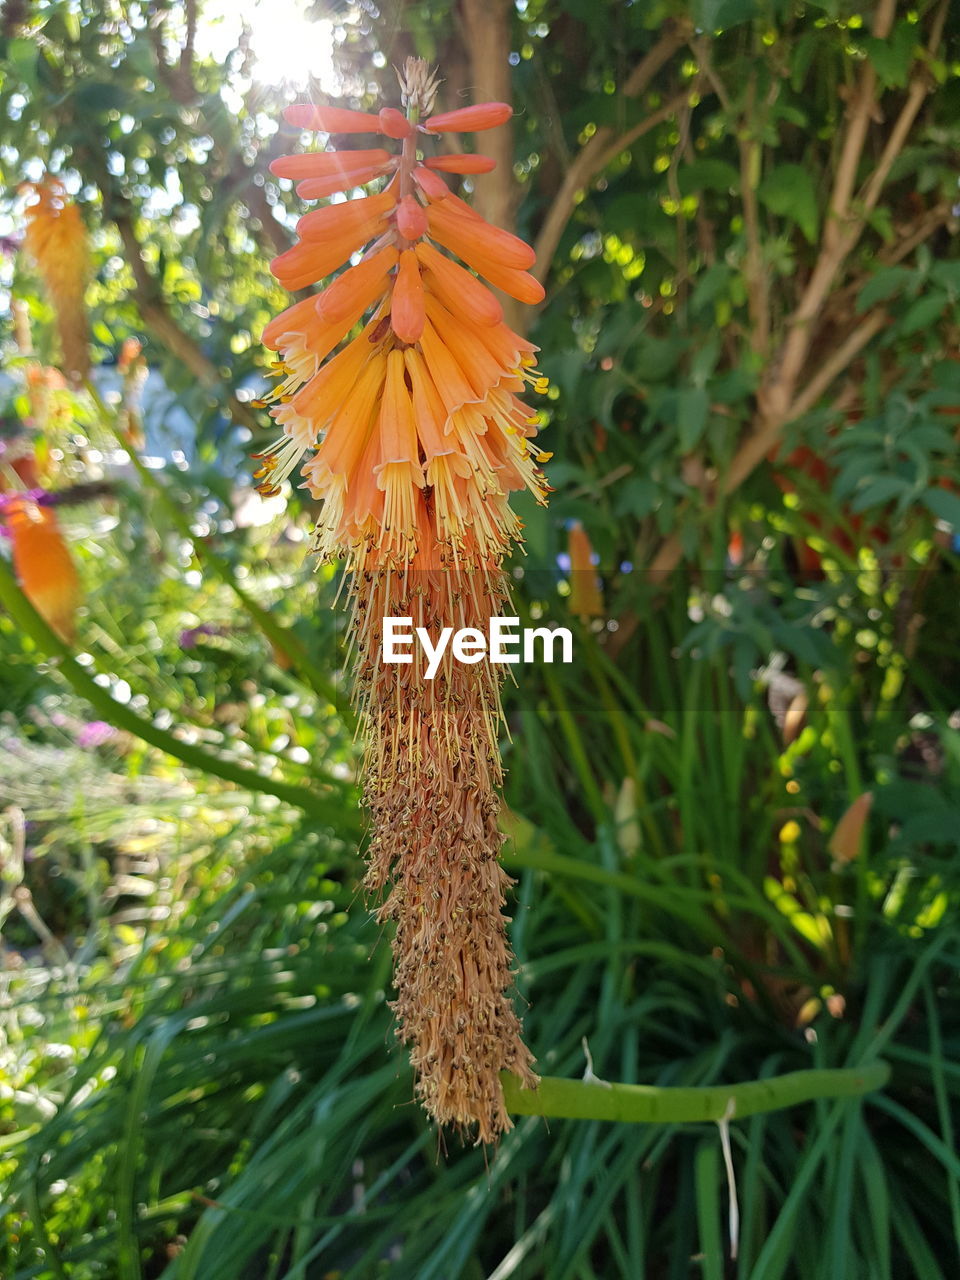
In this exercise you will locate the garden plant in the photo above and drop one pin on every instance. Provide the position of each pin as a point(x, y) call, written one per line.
point(632, 323)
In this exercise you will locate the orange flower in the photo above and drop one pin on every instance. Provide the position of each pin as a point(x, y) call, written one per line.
point(56, 240)
point(461, 163)
point(43, 565)
point(329, 164)
point(407, 315)
point(586, 599)
point(485, 115)
point(412, 435)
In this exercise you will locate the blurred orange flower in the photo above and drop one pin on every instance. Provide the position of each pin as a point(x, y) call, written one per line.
point(57, 241)
point(43, 564)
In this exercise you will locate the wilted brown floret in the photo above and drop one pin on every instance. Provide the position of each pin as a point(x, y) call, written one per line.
point(432, 778)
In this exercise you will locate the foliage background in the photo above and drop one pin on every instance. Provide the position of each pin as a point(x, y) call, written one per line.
point(745, 216)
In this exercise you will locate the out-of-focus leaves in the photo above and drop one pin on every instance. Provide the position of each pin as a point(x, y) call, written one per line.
point(789, 190)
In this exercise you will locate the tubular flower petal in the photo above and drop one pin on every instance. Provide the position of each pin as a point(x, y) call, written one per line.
point(407, 313)
point(464, 163)
point(481, 368)
point(330, 386)
point(457, 289)
point(359, 218)
point(364, 283)
point(331, 119)
point(327, 164)
point(428, 409)
point(394, 124)
point(447, 376)
point(518, 284)
point(411, 219)
point(349, 428)
point(430, 184)
point(311, 260)
point(485, 115)
point(411, 435)
point(342, 180)
point(295, 320)
point(471, 237)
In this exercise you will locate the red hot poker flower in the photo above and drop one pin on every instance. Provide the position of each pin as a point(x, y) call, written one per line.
point(412, 434)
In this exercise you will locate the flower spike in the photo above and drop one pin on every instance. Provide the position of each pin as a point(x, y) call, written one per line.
point(412, 436)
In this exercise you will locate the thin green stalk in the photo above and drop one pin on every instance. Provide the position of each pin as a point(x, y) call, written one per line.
point(589, 649)
point(575, 743)
point(51, 1255)
point(124, 717)
point(559, 1098)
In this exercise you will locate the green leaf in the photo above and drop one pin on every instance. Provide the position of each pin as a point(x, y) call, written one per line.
point(944, 505)
point(637, 497)
point(885, 284)
point(711, 284)
point(22, 57)
point(101, 96)
point(924, 312)
point(789, 191)
point(693, 405)
point(880, 491)
point(892, 58)
point(704, 361)
point(721, 15)
point(707, 175)
point(656, 358)
point(947, 275)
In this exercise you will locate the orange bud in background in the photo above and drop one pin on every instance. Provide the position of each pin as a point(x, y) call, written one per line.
point(848, 836)
point(586, 598)
point(129, 352)
point(43, 565)
point(56, 240)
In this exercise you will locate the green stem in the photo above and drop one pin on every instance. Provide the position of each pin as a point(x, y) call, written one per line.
point(645, 1104)
point(124, 717)
point(578, 751)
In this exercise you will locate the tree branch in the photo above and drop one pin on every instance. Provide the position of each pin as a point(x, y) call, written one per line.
point(755, 448)
point(758, 296)
point(605, 145)
point(777, 399)
point(158, 319)
point(487, 41)
point(487, 30)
